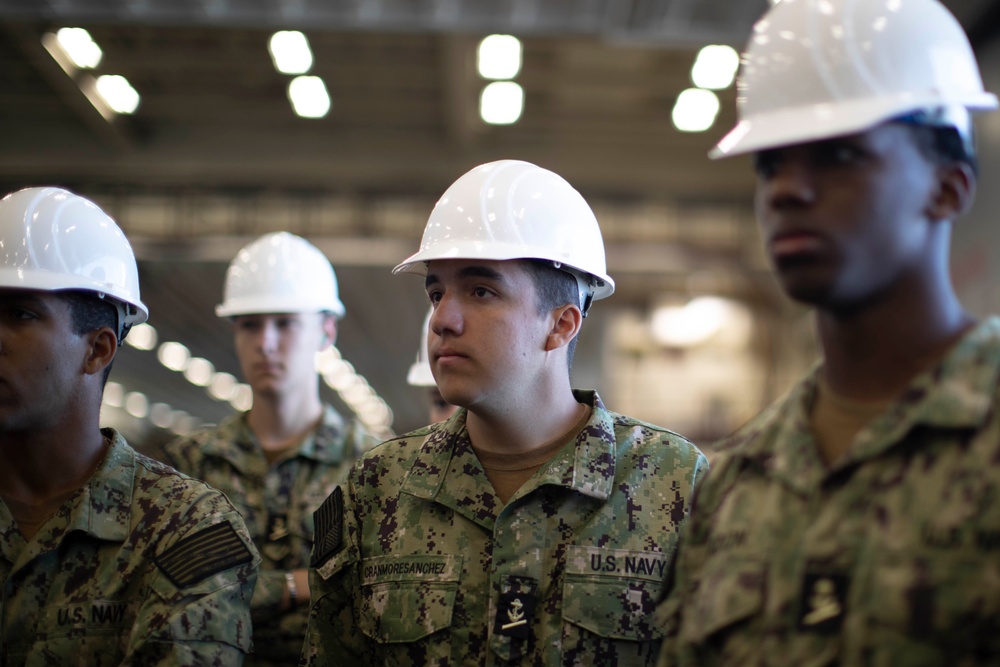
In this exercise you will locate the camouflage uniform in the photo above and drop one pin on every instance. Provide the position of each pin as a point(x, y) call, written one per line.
point(142, 566)
point(891, 557)
point(433, 569)
point(277, 503)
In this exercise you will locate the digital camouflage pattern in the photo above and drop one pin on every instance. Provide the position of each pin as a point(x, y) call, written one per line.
point(434, 570)
point(95, 586)
point(892, 557)
point(277, 503)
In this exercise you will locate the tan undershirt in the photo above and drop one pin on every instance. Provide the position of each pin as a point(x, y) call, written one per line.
point(30, 517)
point(508, 472)
point(836, 420)
point(273, 455)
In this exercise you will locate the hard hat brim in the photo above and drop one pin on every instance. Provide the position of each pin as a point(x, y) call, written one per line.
point(416, 263)
point(261, 306)
point(824, 121)
point(55, 282)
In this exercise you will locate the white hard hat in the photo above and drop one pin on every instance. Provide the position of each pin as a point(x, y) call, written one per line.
point(280, 273)
point(514, 210)
point(52, 240)
point(420, 374)
point(816, 69)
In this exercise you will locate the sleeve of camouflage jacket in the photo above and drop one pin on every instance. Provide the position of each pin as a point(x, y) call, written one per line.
point(679, 578)
point(333, 635)
point(202, 623)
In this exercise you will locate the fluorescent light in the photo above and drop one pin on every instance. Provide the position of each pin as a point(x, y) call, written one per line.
point(501, 103)
point(715, 67)
point(499, 57)
point(118, 93)
point(142, 337)
point(173, 355)
point(199, 371)
point(80, 47)
point(290, 52)
point(695, 110)
point(114, 394)
point(136, 404)
point(692, 323)
point(309, 97)
point(222, 386)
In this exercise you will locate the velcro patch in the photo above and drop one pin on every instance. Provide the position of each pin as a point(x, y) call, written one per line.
point(328, 521)
point(201, 555)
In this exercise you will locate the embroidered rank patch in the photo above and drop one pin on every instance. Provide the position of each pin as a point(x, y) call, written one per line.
point(823, 602)
point(515, 609)
point(329, 523)
point(201, 555)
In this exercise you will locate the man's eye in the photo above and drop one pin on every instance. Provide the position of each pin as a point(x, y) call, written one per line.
point(481, 291)
point(434, 296)
point(765, 164)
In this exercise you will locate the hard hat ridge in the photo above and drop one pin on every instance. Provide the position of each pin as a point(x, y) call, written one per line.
point(816, 69)
point(510, 209)
point(280, 273)
point(55, 240)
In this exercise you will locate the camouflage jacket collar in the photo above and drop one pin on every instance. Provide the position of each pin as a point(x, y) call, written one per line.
point(325, 444)
point(957, 393)
point(447, 471)
point(101, 508)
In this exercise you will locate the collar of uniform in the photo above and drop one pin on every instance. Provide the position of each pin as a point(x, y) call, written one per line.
point(233, 441)
point(589, 466)
point(446, 453)
point(104, 507)
point(957, 393)
point(326, 442)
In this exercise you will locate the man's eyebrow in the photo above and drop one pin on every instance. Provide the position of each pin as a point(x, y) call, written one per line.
point(474, 271)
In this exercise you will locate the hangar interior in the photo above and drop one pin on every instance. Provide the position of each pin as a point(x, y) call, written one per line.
point(697, 337)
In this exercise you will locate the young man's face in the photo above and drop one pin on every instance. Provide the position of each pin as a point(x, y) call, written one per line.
point(41, 360)
point(277, 351)
point(486, 337)
point(845, 220)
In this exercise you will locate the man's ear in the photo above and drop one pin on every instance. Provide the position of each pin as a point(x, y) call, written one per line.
point(103, 345)
point(956, 190)
point(566, 323)
point(329, 325)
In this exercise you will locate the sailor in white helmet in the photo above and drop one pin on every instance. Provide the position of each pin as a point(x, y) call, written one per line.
point(420, 375)
point(533, 526)
point(107, 557)
point(279, 460)
point(857, 520)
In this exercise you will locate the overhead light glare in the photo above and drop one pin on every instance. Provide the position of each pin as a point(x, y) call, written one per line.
point(309, 97)
point(692, 323)
point(715, 67)
point(79, 47)
point(290, 52)
point(118, 93)
point(173, 355)
point(501, 103)
point(136, 404)
point(695, 110)
point(199, 371)
point(142, 337)
point(499, 57)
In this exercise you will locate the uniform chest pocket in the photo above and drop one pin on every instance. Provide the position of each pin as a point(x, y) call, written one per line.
point(728, 593)
point(609, 596)
point(939, 607)
point(407, 598)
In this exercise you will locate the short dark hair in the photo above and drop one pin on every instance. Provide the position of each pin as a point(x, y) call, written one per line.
point(943, 145)
point(554, 288)
point(87, 313)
